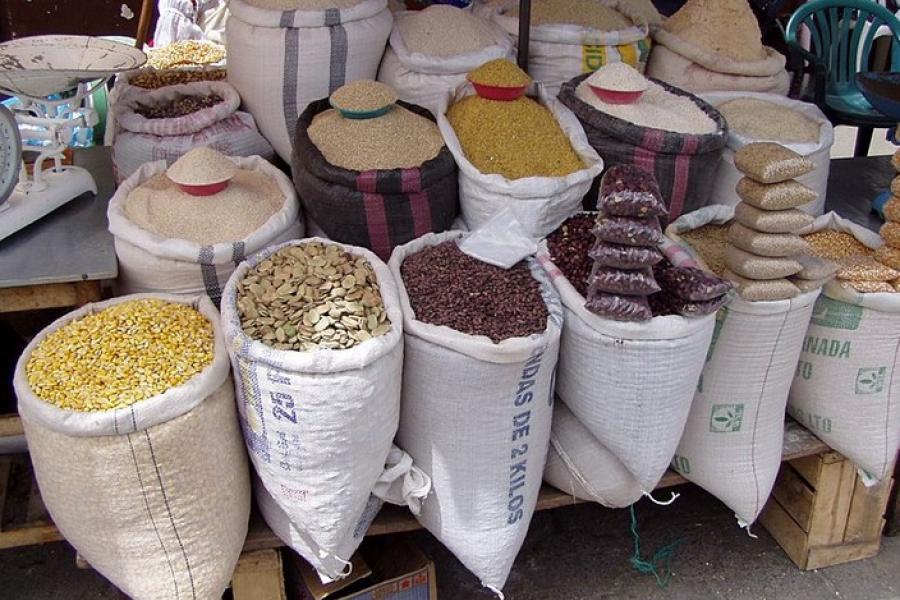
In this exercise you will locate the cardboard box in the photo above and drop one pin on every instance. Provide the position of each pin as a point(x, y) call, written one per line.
point(384, 569)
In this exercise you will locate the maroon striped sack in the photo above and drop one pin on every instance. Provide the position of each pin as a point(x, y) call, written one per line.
point(684, 164)
point(377, 209)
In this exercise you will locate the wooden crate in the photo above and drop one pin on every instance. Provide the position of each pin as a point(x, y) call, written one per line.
point(822, 514)
point(259, 575)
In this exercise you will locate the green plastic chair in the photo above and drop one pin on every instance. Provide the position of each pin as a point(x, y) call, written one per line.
point(842, 33)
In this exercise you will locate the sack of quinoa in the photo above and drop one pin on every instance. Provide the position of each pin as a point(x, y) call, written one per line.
point(431, 51)
point(671, 133)
point(376, 182)
point(846, 387)
point(128, 408)
point(757, 117)
point(580, 465)
point(630, 384)
point(283, 55)
point(481, 345)
point(165, 123)
point(570, 38)
point(541, 170)
point(168, 240)
point(732, 441)
point(315, 335)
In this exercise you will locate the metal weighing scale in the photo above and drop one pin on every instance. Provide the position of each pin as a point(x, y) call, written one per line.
point(50, 76)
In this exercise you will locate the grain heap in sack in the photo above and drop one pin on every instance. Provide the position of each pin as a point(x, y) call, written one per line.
point(315, 336)
point(764, 248)
point(759, 117)
point(170, 239)
point(676, 136)
point(516, 152)
point(128, 408)
point(169, 120)
point(481, 345)
point(850, 350)
point(373, 171)
point(432, 50)
point(285, 54)
point(733, 437)
point(712, 45)
point(568, 37)
point(607, 421)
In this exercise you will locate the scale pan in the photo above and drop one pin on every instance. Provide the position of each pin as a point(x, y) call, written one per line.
point(43, 65)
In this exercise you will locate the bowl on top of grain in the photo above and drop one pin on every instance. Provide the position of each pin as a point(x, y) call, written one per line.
point(364, 99)
point(499, 79)
point(202, 171)
point(618, 83)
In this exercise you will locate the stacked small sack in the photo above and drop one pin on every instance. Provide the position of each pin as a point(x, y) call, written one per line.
point(764, 248)
point(889, 254)
point(627, 235)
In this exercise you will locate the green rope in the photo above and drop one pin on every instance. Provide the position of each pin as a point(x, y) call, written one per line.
point(664, 555)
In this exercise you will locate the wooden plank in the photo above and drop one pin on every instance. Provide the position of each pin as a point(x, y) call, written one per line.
point(794, 495)
point(831, 508)
point(789, 535)
point(867, 508)
point(51, 295)
point(799, 442)
point(10, 425)
point(29, 536)
point(259, 575)
point(826, 556)
point(808, 468)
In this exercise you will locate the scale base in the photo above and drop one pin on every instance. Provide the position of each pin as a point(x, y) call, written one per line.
point(24, 208)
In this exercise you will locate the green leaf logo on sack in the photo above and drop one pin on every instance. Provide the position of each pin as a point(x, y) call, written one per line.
point(726, 418)
point(870, 380)
point(836, 315)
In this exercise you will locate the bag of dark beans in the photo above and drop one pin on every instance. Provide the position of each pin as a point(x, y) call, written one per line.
point(624, 257)
point(630, 282)
point(630, 231)
point(690, 284)
point(629, 191)
point(618, 307)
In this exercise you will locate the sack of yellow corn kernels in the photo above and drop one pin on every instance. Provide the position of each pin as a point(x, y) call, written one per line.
point(154, 494)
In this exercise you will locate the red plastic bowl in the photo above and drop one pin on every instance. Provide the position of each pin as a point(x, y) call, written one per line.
point(615, 96)
point(204, 190)
point(497, 92)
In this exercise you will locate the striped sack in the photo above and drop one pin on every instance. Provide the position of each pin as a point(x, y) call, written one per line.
point(684, 164)
point(377, 209)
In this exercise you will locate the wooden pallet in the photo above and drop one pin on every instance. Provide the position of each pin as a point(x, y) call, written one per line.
point(822, 514)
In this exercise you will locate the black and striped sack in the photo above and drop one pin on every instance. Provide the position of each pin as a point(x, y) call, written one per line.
point(683, 164)
point(149, 262)
point(377, 209)
point(281, 60)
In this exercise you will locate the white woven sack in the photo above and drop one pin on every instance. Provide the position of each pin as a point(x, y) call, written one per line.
point(428, 80)
point(732, 442)
point(540, 204)
point(156, 495)
point(476, 417)
point(630, 384)
point(846, 387)
point(557, 52)
point(280, 61)
point(580, 465)
point(319, 426)
point(149, 262)
point(666, 64)
point(819, 152)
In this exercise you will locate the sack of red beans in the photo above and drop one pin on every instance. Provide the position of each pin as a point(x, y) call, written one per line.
point(481, 344)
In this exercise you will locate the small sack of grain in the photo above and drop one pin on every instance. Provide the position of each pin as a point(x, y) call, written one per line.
point(808, 285)
point(774, 196)
point(753, 290)
point(664, 304)
point(622, 256)
point(690, 283)
point(768, 162)
point(629, 231)
point(869, 287)
point(815, 268)
point(866, 268)
point(771, 221)
point(629, 282)
point(891, 234)
point(888, 256)
point(630, 191)
point(752, 266)
point(618, 307)
point(892, 207)
point(766, 244)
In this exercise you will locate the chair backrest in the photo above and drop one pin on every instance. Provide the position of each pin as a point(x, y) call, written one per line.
point(841, 36)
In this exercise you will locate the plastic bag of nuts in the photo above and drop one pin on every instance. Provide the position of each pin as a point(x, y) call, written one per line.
point(321, 419)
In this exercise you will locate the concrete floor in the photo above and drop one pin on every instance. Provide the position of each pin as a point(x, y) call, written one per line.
point(574, 553)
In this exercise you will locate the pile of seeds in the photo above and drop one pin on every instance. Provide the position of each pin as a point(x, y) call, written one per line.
point(448, 287)
point(185, 53)
point(761, 120)
point(575, 12)
point(311, 296)
point(857, 265)
point(363, 96)
point(151, 79)
point(656, 108)
point(302, 4)
point(709, 241)
point(569, 248)
point(724, 27)
point(501, 73)
point(121, 355)
point(619, 76)
point(178, 107)
point(428, 31)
